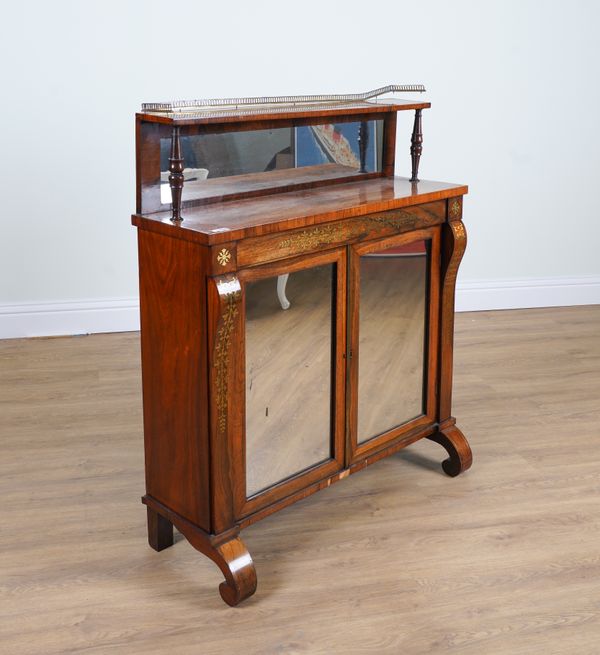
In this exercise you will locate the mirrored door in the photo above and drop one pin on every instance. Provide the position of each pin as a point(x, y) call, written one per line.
point(294, 375)
point(392, 342)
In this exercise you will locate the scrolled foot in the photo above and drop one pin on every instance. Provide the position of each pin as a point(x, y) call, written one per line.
point(240, 575)
point(226, 550)
point(457, 447)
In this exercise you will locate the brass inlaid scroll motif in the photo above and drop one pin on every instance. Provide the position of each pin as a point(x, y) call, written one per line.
point(312, 238)
point(458, 249)
point(459, 230)
point(399, 220)
point(230, 292)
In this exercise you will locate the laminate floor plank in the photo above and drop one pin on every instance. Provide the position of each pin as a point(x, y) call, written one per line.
point(398, 558)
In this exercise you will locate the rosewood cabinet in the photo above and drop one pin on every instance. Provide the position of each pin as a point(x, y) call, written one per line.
point(297, 308)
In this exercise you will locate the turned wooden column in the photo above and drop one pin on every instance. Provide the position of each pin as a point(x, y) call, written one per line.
point(176, 175)
point(363, 141)
point(416, 147)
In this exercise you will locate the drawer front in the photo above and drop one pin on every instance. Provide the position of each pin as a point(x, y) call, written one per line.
point(259, 250)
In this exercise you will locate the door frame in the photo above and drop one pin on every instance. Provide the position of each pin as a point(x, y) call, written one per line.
point(243, 505)
point(355, 451)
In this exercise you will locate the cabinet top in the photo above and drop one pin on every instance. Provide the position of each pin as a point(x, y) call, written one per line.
point(230, 221)
point(198, 112)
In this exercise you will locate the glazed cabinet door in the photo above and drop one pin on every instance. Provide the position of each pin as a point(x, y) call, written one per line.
point(294, 322)
point(392, 340)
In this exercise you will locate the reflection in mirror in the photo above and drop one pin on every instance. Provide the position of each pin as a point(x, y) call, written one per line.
point(393, 295)
point(277, 157)
point(288, 357)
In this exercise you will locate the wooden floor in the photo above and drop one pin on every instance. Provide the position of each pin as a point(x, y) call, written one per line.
point(396, 559)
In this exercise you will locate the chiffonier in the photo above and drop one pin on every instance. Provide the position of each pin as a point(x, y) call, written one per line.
point(297, 307)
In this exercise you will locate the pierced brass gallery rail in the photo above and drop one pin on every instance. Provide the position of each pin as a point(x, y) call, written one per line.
point(190, 105)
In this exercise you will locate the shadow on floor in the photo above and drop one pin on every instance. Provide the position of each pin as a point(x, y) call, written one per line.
point(416, 459)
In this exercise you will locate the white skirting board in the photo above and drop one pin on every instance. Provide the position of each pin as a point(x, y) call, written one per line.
point(61, 318)
point(480, 295)
point(122, 314)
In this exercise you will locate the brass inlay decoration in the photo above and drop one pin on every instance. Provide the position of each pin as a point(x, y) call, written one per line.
point(459, 230)
point(312, 238)
point(455, 208)
point(231, 290)
point(223, 257)
point(399, 220)
point(458, 249)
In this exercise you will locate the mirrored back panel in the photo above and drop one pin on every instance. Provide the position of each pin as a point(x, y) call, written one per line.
point(392, 334)
point(246, 162)
point(288, 357)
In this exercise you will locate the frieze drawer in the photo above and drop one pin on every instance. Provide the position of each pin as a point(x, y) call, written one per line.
point(259, 250)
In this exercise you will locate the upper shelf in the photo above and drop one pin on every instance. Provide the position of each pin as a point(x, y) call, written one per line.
point(198, 152)
point(198, 112)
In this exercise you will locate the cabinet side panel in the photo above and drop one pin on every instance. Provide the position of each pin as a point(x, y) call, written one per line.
point(174, 375)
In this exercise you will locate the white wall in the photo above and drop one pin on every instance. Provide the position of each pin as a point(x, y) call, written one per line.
point(515, 87)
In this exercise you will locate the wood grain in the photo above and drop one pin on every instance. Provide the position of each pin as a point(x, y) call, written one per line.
point(503, 560)
point(249, 185)
point(227, 550)
point(172, 310)
point(356, 449)
point(335, 372)
point(181, 345)
point(238, 219)
point(454, 243)
point(315, 238)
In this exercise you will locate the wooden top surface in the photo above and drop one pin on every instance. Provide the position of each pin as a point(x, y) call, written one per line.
point(238, 219)
point(217, 189)
point(210, 115)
